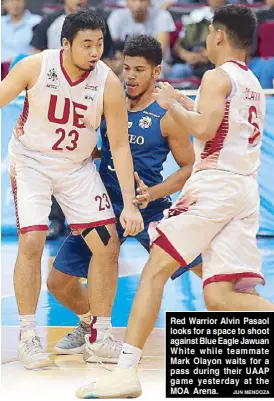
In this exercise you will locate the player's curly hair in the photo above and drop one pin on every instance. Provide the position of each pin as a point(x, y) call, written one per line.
point(81, 20)
point(144, 46)
point(239, 22)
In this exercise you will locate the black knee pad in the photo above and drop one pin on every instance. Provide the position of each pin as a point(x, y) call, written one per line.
point(102, 231)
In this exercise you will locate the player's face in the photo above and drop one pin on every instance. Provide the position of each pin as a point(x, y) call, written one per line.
point(138, 8)
point(139, 76)
point(14, 7)
point(74, 5)
point(86, 49)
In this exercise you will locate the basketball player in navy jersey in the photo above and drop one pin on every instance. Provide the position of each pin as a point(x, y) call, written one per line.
point(152, 135)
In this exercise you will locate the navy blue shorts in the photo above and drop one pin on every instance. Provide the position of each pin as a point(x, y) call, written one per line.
point(74, 255)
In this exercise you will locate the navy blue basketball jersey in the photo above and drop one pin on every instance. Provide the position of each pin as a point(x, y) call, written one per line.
point(149, 151)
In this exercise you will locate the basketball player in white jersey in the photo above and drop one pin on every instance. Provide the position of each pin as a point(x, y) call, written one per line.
point(67, 91)
point(217, 212)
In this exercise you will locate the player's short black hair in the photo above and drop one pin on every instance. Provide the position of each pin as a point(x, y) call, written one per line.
point(81, 20)
point(239, 22)
point(144, 46)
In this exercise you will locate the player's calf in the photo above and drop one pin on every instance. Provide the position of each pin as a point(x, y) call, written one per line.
point(27, 283)
point(102, 283)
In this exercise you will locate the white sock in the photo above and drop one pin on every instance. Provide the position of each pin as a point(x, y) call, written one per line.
point(27, 322)
point(130, 356)
point(98, 327)
point(85, 318)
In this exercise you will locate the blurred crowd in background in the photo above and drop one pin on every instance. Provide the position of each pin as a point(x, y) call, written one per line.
point(30, 26)
point(181, 27)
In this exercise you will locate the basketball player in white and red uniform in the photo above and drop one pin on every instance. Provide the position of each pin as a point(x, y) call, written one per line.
point(217, 212)
point(67, 91)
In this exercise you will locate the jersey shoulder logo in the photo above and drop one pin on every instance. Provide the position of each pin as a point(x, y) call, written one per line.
point(145, 122)
point(52, 75)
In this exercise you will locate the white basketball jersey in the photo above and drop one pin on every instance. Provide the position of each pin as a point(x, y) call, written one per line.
point(60, 117)
point(236, 145)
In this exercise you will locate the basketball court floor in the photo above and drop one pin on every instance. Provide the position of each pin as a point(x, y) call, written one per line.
point(53, 320)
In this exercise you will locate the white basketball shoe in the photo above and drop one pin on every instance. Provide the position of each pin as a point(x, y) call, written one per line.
point(31, 353)
point(107, 350)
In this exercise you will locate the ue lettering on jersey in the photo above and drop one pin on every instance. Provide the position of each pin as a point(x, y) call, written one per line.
point(60, 117)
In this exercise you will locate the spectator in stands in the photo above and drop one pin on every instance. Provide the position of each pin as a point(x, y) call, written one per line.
point(139, 18)
point(16, 29)
point(162, 4)
point(190, 48)
point(47, 36)
point(266, 14)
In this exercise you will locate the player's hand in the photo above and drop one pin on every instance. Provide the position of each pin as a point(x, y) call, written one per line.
point(144, 197)
point(186, 102)
point(131, 220)
point(165, 94)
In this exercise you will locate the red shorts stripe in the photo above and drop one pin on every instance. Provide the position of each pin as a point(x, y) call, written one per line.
point(231, 277)
point(34, 228)
point(94, 224)
point(166, 245)
point(14, 191)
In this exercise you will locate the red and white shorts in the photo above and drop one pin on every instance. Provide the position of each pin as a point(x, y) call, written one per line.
point(216, 215)
point(78, 189)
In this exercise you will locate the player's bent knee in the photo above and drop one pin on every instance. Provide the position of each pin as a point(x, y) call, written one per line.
point(32, 244)
point(59, 282)
point(159, 267)
point(217, 295)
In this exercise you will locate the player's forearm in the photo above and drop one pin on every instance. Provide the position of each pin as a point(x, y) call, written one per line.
point(172, 184)
point(123, 165)
point(195, 124)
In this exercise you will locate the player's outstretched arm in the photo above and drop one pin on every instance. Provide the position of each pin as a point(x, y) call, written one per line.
point(15, 82)
point(203, 124)
point(115, 113)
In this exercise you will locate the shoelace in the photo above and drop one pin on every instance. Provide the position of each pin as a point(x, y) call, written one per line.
point(112, 344)
point(33, 346)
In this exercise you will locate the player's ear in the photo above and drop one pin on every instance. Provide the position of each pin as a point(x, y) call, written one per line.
point(157, 71)
point(65, 44)
point(219, 37)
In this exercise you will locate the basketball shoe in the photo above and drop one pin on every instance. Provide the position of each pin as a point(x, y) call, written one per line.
point(30, 351)
point(120, 383)
point(107, 350)
point(74, 342)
